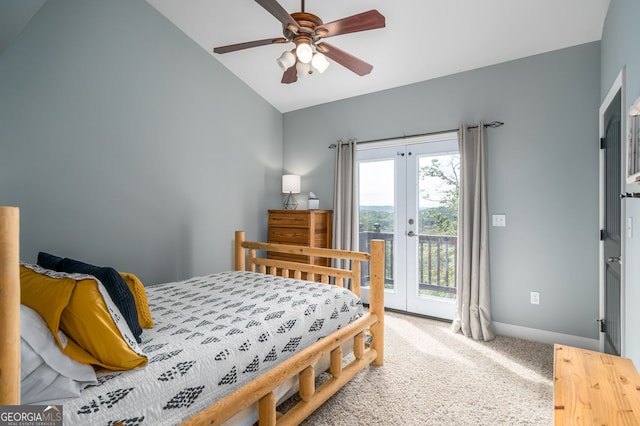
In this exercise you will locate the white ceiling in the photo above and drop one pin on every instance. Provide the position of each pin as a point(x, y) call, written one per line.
point(423, 39)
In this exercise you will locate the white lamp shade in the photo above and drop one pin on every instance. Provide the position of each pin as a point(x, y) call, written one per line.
point(320, 62)
point(290, 184)
point(304, 52)
point(303, 70)
point(286, 60)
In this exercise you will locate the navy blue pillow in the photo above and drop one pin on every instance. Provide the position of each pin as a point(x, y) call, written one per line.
point(48, 261)
point(115, 285)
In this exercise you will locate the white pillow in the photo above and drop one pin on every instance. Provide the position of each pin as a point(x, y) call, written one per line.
point(46, 373)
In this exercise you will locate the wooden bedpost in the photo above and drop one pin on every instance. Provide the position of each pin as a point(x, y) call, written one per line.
point(239, 263)
point(376, 298)
point(9, 306)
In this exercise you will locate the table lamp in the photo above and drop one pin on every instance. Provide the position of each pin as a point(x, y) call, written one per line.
point(290, 186)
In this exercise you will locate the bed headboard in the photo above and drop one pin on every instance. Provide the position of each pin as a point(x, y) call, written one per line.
point(9, 306)
point(300, 270)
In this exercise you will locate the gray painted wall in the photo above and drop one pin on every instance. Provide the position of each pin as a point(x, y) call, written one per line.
point(125, 144)
point(543, 171)
point(620, 48)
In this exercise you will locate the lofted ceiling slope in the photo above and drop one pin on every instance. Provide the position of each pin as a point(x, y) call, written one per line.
point(422, 40)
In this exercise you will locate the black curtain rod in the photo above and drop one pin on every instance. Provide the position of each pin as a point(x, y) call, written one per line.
point(493, 124)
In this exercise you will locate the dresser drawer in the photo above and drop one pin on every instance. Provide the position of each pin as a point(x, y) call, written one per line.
point(289, 235)
point(295, 220)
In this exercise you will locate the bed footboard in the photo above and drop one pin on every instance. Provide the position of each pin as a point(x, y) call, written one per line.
point(301, 364)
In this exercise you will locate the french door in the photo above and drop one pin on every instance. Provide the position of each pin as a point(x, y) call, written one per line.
point(408, 197)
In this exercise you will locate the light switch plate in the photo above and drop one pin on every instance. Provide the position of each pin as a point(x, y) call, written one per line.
point(499, 220)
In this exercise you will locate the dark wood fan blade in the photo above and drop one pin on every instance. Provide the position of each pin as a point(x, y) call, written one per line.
point(274, 8)
point(361, 22)
point(345, 59)
point(290, 75)
point(249, 44)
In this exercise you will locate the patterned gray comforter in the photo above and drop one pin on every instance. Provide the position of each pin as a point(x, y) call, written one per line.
point(212, 335)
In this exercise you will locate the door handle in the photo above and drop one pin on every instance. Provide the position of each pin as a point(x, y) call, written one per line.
point(614, 259)
point(411, 234)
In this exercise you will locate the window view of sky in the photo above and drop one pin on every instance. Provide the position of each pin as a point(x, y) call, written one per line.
point(376, 183)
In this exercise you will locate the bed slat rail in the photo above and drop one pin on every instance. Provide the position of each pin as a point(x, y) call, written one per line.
point(305, 251)
point(303, 267)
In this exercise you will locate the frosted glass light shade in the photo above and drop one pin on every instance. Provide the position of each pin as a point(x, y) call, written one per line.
point(286, 60)
point(319, 62)
point(303, 70)
point(290, 184)
point(304, 53)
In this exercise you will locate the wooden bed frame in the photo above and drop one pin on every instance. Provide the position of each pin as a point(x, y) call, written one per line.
point(261, 389)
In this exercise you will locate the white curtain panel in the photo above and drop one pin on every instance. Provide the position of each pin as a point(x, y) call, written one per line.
point(473, 316)
point(345, 220)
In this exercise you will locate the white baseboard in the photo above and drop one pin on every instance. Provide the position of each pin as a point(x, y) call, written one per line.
point(544, 336)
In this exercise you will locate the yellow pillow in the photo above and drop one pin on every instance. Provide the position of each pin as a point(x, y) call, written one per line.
point(49, 304)
point(140, 296)
point(73, 304)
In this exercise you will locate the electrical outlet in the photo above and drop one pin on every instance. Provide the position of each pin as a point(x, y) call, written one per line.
point(535, 298)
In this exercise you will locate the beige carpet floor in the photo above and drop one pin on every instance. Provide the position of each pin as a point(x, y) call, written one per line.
point(432, 376)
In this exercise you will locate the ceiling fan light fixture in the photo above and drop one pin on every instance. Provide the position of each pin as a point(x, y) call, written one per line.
point(304, 52)
point(306, 30)
point(320, 62)
point(286, 60)
point(303, 70)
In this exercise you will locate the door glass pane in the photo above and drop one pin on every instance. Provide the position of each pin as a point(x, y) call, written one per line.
point(438, 185)
point(377, 210)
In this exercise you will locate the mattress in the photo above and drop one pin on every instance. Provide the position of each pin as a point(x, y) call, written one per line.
point(212, 335)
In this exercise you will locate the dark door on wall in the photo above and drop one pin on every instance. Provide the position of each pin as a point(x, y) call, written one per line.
point(611, 233)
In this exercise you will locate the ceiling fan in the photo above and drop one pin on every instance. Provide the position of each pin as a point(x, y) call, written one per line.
point(306, 30)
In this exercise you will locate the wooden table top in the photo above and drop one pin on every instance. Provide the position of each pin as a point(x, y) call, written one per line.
point(592, 388)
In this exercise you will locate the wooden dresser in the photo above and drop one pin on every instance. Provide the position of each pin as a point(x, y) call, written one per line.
point(312, 228)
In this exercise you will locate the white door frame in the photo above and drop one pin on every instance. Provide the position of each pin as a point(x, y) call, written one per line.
point(618, 85)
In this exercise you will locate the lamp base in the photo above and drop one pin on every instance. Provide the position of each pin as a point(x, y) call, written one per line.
point(290, 203)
